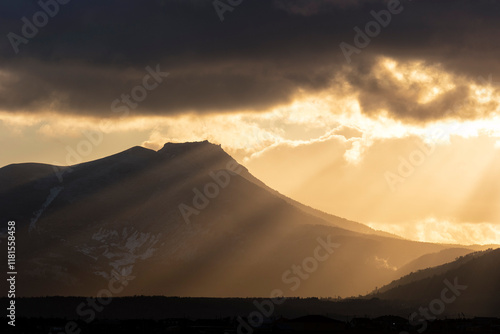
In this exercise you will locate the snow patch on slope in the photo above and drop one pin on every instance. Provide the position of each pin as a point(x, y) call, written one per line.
point(123, 248)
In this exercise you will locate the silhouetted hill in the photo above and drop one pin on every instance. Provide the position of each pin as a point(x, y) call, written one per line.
point(433, 260)
point(472, 281)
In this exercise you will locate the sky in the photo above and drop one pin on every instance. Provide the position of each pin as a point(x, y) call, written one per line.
point(382, 112)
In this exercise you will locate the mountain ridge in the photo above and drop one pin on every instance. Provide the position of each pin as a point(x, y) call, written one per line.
point(121, 213)
point(474, 278)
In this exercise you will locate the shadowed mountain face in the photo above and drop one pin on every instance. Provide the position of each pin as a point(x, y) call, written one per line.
point(189, 221)
point(469, 285)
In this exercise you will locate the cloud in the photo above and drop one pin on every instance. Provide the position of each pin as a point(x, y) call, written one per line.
point(416, 91)
point(383, 263)
point(259, 58)
point(443, 231)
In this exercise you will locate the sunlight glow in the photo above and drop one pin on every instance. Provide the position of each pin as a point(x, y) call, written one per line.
point(448, 232)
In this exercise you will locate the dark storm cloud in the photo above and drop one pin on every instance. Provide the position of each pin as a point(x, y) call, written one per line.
point(377, 90)
point(91, 52)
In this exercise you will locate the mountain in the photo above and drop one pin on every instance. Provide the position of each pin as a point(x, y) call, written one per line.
point(468, 285)
point(187, 220)
point(433, 260)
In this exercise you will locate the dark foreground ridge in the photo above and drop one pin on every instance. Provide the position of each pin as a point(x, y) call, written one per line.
point(307, 324)
point(235, 315)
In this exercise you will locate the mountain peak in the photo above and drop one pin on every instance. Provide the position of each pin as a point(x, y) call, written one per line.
point(188, 145)
point(174, 149)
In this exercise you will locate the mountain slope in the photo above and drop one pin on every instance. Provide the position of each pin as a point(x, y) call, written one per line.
point(474, 279)
point(334, 220)
point(433, 260)
point(180, 221)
